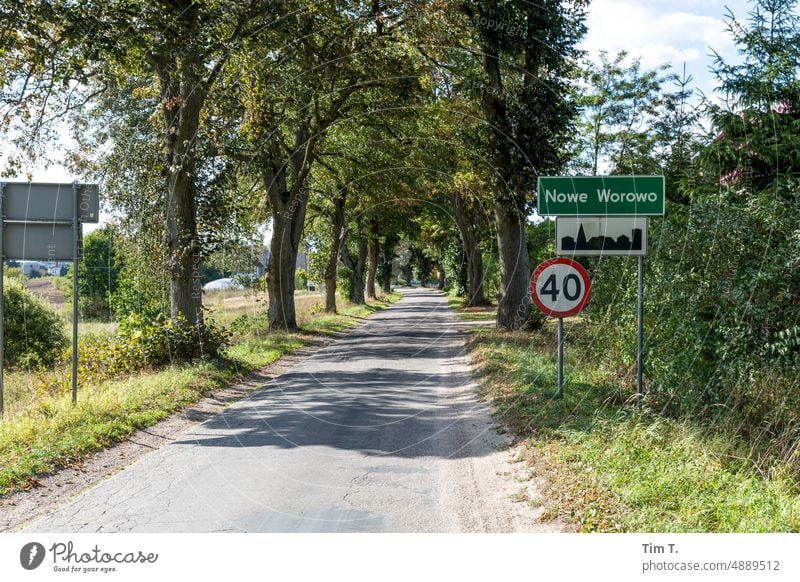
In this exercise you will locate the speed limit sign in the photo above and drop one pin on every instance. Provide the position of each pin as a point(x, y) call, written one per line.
point(560, 287)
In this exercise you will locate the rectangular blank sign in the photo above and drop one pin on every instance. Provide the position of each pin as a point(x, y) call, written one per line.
point(38, 201)
point(595, 236)
point(37, 242)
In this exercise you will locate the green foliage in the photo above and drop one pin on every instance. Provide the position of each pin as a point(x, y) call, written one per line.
point(344, 280)
point(616, 98)
point(613, 469)
point(491, 277)
point(142, 285)
point(98, 274)
point(160, 340)
point(12, 273)
point(250, 324)
point(455, 265)
point(757, 141)
point(34, 333)
point(300, 279)
point(318, 260)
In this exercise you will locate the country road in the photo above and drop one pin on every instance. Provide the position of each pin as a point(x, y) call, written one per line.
point(379, 431)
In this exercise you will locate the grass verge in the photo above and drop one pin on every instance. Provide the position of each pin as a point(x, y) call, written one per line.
point(483, 313)
point(45, 432)
point(611, 468)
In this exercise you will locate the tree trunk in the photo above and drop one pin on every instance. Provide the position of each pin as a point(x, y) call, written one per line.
point(337, 239)
point(514, 305)
point(372, 258)
point(288, 218)
point(182, 118)
point(280, 281)
point(441, 282)
point(466, 222)
point(356, 267)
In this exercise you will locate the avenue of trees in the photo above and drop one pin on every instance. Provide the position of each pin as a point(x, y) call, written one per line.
point(402, 139)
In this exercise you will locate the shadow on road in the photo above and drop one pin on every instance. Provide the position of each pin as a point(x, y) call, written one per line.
point(395, 386)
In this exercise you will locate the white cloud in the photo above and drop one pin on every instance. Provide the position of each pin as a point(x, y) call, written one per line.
point(654, 35)
point(660, 31)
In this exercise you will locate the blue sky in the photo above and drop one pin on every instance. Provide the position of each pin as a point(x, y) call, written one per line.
point(666, 31)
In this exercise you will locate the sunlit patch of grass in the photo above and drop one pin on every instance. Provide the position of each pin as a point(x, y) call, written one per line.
point(95, 328)
point(614, 469)
point(483, 313)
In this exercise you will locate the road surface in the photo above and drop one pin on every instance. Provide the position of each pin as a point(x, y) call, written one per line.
point(380, 431)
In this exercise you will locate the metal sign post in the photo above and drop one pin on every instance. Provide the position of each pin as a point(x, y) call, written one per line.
point(560, 340)
point(640, 334)
point(560, 288)
point(76, 235)
point(605, 216)
point(2, 297)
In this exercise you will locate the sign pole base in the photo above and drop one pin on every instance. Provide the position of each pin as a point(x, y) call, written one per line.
point(560, 340)
point(76, 234)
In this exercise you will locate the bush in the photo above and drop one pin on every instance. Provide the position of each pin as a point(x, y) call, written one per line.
point(34, 333)
point(300, 279)
point(138, 292)
point(141, 344)
point(344, 279)
point(160, 340)
point(98, 274)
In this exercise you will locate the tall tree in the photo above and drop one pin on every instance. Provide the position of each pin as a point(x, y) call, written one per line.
point(183, 47)
point(528, 110)
point(293, 95)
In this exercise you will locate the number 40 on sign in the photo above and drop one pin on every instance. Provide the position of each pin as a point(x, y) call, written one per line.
point(560, 287)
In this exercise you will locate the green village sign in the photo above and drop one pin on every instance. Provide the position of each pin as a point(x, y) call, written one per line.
point(601, 216)
point(601, 195)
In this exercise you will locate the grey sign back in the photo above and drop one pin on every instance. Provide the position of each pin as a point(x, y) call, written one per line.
point(35, 202)
point(38, 242)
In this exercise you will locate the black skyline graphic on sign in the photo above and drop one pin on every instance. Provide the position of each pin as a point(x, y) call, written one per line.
point(603, 243)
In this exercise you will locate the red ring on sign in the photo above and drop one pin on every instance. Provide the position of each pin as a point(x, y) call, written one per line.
point(587, 284)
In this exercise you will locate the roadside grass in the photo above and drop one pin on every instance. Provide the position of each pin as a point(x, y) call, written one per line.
point(612, 468)
point(485, 313)
point(42, 431)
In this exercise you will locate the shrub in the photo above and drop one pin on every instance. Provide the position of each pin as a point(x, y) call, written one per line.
point(159, 340)
point(344, 280)
point(138, 292)
point(98, 273)
point(300, 279)
point(34, 333)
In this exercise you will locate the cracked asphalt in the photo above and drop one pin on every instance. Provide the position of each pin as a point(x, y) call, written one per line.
point(380, 431)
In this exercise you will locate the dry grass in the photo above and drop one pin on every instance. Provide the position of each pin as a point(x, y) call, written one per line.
point(226, 306)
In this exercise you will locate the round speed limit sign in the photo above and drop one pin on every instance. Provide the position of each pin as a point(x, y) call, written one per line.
point(560, 287)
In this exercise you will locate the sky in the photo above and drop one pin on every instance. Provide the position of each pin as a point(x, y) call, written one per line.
point(666, 31)
point(657, 31)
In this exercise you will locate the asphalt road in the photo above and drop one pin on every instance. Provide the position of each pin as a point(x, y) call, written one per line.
point(380, 431)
